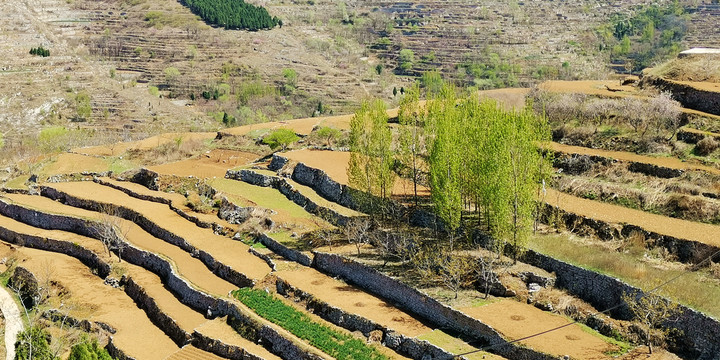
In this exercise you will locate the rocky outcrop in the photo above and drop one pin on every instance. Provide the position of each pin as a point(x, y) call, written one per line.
point(403, 345)
point(144, 177)
point(420, 304)
point(688, 95)
point(223, 271)
point(26, 286)
point(699, 338)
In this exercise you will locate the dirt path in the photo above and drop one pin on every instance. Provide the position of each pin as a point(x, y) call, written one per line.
point(188, 267)
point(353, 300)
point(516, 320)
point(229, 252)
point(13, 322)
point(136, 334)
point(145, 144)
point(682, 229)
point(668, 162)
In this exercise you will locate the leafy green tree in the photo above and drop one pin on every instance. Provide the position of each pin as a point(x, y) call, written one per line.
point(171, 74)
point(432, 81)
point(411, 116)
point(406, 59)
point(445, 159)
point(83, 110)
point(329, 134)
point(33, 344)
point(53, 139)
point(371, 157)
point(280, 138)
point(233, 14)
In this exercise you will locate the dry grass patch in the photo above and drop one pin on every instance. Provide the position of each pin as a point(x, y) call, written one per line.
point(697, 289)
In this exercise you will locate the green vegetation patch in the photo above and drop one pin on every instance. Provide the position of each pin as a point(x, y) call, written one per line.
point(335, 343)
point(233, 14)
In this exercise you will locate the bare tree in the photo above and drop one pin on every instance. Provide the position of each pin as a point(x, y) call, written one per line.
point(484, 271)
point(652, 312)
point(356, 231)
point(455, 270)
point(112, 230)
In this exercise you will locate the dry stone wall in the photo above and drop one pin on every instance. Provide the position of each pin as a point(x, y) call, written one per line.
point(699, 338)
point(290, 192)
point(687, 95)
point(422, 305)
point(185, 292)
point(218, 268)
point(403, 345)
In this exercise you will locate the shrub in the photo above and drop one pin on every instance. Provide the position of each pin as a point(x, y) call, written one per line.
point(33, 343)
point(88, 350)
point(706, 146)
point(280, 138)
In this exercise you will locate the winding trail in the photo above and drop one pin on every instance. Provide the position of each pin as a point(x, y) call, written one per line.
point(13, 322)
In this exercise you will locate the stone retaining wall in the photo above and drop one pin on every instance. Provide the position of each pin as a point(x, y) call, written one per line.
point(686, 251)
point(422, 305)
point(217, 228)
point(699, 339)
point(406, 346)
point(223, 271)
point(284, 251)
point(689, 96)
point(162, 320)
point(185, 292)
point(291, 193)
point(220, 348)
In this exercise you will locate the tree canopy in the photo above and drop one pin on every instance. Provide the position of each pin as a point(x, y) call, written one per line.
point(233, 14)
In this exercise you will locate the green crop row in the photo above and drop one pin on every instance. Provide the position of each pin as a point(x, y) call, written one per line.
point(335, 343)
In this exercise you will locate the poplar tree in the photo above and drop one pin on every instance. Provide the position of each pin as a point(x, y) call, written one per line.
point(371, 157)
point(411, 117)
point(445, 159)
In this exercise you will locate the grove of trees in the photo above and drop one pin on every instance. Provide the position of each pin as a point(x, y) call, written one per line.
point(477, 158)
point(233, 14)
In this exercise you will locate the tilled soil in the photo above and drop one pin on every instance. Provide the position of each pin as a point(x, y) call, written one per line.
point(229, 252)
point(682, 229)
point(516, 320)
point(213, 164)
point(353, 300)
point(136, 334)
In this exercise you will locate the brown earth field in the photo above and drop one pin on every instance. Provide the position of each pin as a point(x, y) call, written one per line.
point(517, 320)
point(668, 162)
point(135, 334)
point(335, 164)
point(212, 164)
point(678, 228)
point(232, 253)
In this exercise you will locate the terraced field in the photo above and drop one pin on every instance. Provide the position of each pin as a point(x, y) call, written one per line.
point(180, 266)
